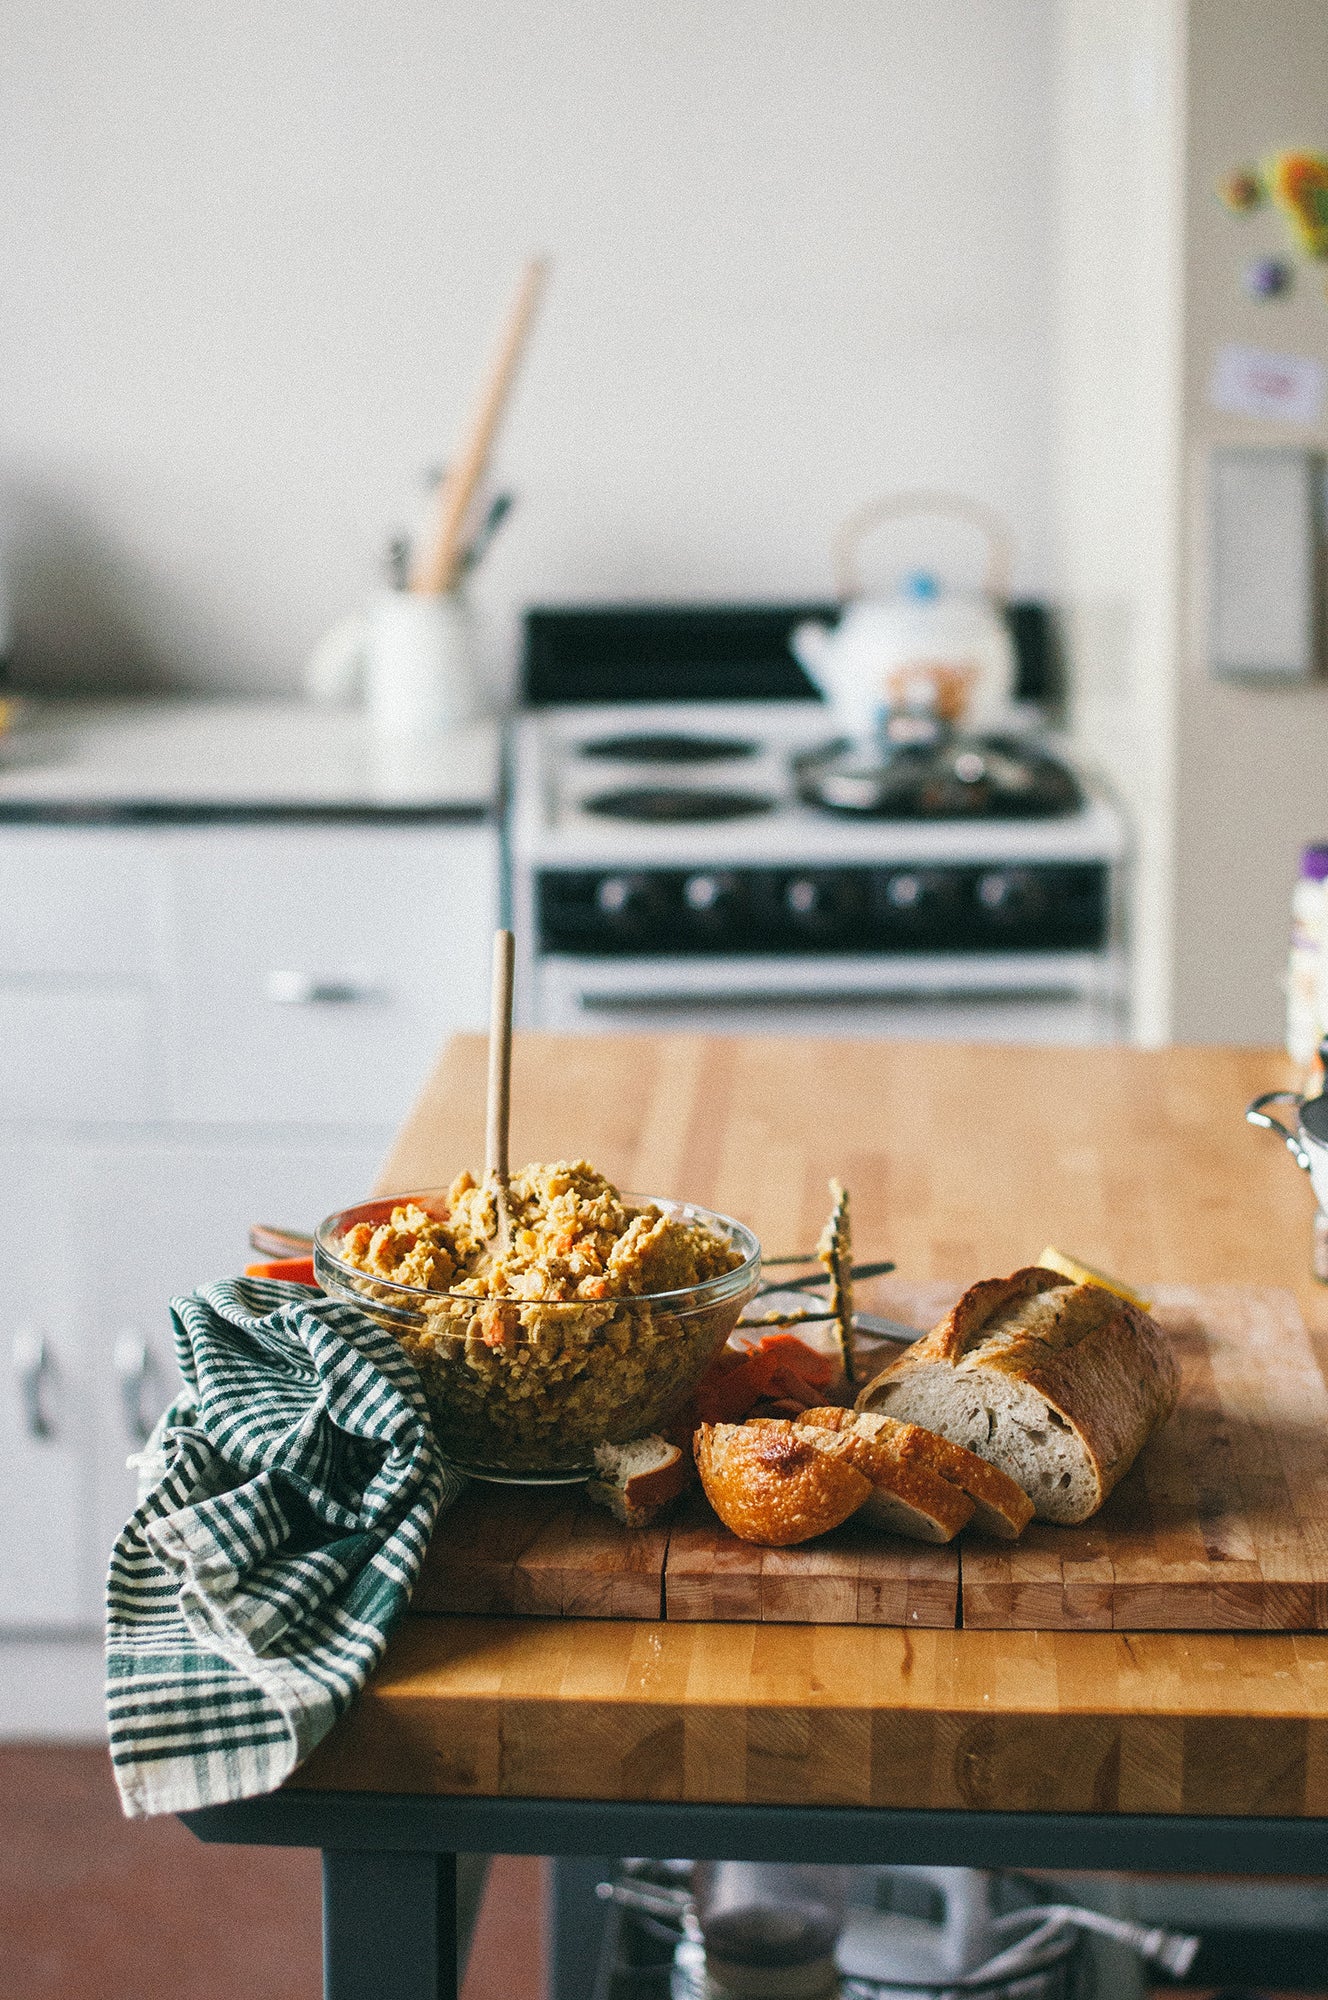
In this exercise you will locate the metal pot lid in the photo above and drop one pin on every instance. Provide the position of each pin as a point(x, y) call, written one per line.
point(973, 777)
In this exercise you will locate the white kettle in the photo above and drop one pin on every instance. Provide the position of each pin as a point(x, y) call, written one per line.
point(927, 649)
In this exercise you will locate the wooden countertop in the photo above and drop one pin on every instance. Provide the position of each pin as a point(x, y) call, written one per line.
point(962, 1161)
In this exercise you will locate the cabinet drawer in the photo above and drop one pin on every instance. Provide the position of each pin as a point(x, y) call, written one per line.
point(80, 902)
point(49, 1574)
point(45, 1500)
point(317, 970)
point(73, 1052)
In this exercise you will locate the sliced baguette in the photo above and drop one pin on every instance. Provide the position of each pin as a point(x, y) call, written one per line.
point(638, 1480)
point(770, 1484)
point(1057, 1384)
point(908, 1498)
point(1000, 1507)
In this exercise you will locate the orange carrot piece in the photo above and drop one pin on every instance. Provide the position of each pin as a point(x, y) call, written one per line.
point(294, 1270)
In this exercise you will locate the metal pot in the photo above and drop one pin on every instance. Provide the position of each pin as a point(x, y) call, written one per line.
point(1308, 1144)
point(1308, 1147)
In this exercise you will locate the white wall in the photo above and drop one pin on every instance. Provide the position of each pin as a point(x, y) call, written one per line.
point(1252, 763)
point(252, 256)
point(1156, 101)
point(1120, 101)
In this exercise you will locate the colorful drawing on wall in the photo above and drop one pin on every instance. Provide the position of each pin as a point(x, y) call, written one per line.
point(1241, 190)
point(1299, 185)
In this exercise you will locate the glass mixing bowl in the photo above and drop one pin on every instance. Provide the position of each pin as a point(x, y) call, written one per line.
point(520, 1389)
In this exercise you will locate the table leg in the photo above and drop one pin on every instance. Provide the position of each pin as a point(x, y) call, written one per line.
point(576, 1924)
point(389, 1925)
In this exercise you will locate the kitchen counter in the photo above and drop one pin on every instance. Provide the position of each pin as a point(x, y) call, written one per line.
point(193, 761)
point(962, 1162)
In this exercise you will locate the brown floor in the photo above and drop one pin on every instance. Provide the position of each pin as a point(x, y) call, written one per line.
point(94, 1907)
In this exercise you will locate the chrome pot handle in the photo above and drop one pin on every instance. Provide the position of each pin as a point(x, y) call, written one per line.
point(1256, 1115)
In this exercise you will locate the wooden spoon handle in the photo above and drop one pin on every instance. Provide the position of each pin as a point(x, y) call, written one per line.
point(499, 1104)
point(441, 562)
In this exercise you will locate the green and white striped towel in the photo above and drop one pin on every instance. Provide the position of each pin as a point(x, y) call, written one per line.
point(290, 1493)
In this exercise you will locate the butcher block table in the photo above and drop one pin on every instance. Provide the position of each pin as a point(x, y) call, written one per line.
point(1202, 1750)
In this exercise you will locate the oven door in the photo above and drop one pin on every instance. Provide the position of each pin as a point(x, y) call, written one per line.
point(1065, 997)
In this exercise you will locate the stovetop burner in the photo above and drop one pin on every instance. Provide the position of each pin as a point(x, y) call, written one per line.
point(673, 804)
point(667, 747)
point(964, 777)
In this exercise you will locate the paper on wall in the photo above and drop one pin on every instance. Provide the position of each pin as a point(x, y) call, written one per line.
point(1250, 382)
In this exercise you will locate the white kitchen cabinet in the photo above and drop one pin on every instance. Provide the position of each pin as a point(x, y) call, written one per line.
point(200, 1027)
point(314, 968)
point(94, 910)
point(48, 1566)
point(80, 1053)
point(83, 937)
point(161, 1215)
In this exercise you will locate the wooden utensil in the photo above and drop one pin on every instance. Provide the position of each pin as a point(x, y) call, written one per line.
point(440, 566)
point(499, 1100)
point(269, 1241)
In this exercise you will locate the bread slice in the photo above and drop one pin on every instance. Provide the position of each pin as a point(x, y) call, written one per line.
point(638, 1480)
point(1000, 1507)
point(1058, 1384)
point(908, 1498)
point(770, 1484)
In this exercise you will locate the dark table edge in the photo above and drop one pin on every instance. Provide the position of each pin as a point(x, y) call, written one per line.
point(1161, 1843)
point(147, 812)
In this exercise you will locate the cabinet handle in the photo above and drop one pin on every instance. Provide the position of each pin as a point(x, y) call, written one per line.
point(131, 1359)
point(303, 989)
point(33, 1369)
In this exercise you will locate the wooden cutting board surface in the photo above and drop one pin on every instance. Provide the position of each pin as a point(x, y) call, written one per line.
point(544, 1551)
point(855, 1576)
point(1222, 1525)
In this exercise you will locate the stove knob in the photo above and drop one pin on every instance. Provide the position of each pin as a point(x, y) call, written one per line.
point(615, 894)
point(918, 902)
point(824, 905)
point(904, 892)
point(1010, 896)
point(628, 906)
point(716, 909)
point(705, 894)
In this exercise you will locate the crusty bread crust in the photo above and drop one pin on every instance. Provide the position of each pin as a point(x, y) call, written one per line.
point(998, 1507)
point(1001, 1508)
point(663, 1482)
point(772, 1486)
point(981, 1304)
point(1103, 1368)
point(912, 1499)
point(638, 1498)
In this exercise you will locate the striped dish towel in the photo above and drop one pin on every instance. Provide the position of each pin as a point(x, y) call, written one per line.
point(288, 1498)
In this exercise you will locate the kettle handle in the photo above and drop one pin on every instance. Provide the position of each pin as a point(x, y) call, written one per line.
point(899, 506)
point(1256, 1115)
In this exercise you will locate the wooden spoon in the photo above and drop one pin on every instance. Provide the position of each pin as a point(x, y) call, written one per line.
point(499, 1102)
point(440, 567)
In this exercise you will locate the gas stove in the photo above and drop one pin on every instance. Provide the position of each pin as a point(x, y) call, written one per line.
point(729, 863)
